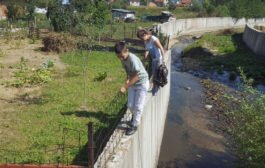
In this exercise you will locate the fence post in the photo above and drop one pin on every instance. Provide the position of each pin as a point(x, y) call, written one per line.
point(91, 147)
point(124, 30)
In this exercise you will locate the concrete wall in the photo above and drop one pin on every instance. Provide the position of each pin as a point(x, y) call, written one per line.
point(142, 149)
point(187, 26)
point(255, 40)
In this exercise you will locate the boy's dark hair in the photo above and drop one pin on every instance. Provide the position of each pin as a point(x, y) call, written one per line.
point(120, 46)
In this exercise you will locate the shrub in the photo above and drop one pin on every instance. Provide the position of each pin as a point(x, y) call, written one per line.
point(197, 6)
point(58, 42)
point(25, 76)
point(248, 129)
point(63, 18)
point(171, 6)
point(223, 11)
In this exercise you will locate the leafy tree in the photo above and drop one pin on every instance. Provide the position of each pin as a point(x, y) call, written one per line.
point(15, 12)
point(101, 16)
point(247, 9)
point(82, 5)
point(63, 17)
point(223, 11)
point(197, 6)
point(208, 6)
point(171, 5)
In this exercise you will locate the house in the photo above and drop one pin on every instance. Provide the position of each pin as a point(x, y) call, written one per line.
point(161, 2)
point(183, 3)
point(3, 11)
point(122, 14)
point(135, 2)
point(186, 2)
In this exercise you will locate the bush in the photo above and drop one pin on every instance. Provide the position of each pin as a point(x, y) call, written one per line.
point(223, 11)
point(197, 6)
point(63, 18)
point(249, 128)
point(58, 42)
point(25, 76)
point(171, 6)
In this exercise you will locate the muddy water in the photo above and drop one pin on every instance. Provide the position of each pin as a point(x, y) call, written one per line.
point(187, 141)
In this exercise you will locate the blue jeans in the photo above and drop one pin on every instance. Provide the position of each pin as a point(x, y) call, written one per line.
point(136, 101)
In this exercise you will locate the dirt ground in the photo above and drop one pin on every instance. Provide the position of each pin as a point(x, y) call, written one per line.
point(11, 98)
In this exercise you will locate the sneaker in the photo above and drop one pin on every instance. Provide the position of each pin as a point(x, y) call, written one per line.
point(130, 123)
point(131, 130)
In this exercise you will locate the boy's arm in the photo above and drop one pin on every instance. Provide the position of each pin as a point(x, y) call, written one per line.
point(159, 45)
point(132, 80)
point(146, 53)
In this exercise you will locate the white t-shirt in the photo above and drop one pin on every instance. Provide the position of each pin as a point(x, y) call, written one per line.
point(154, 51)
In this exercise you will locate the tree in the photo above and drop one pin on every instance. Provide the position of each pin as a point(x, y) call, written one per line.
point(63, 17)
point(101, 16)
point(15, 12)
point(196, 6)
point(247, 9)
point(171, 5)
point(82, 5)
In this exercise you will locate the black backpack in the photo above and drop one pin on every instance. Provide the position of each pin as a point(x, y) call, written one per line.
point(161, 76)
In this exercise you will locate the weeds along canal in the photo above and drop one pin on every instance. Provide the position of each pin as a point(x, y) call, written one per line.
point(187, 140)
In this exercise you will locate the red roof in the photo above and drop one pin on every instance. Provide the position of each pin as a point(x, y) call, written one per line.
point(185, 1)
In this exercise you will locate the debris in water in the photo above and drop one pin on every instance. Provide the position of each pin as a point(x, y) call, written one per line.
point(199, 156)
point(208, 107)
point(187, 88)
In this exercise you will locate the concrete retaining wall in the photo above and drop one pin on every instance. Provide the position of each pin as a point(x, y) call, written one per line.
point(255, 40)
point(142, 149)
point(187, 26)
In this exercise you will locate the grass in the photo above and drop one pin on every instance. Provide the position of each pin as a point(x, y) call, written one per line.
point(221, 51)
point(63, 108)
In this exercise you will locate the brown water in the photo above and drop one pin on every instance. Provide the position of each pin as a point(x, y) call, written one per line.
point(187, 141)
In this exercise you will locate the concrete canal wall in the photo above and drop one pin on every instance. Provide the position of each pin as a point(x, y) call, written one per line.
point(255, 40)
point(189, 26)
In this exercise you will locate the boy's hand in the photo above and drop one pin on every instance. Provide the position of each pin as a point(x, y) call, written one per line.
point(124, 88)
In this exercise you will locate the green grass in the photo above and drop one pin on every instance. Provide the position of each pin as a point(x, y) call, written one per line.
point(226, 52)
point(63, 104)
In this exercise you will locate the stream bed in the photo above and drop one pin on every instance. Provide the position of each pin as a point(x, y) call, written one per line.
point(187, 140)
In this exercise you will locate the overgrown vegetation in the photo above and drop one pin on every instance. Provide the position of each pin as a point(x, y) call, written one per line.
point(248, 125)
point(225, 51)
point(26, 76)
point(240, 115)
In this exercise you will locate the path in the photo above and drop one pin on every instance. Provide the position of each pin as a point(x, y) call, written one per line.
point(187, 141)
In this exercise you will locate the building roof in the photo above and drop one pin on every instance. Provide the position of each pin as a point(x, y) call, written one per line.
point(186, 1)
